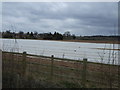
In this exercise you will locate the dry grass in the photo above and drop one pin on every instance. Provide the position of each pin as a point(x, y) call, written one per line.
point(98, 75)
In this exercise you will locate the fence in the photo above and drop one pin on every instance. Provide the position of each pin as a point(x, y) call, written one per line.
point(63, 72)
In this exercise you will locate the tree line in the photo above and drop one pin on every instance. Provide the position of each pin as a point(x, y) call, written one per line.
point(36, 35)
point(55, 36)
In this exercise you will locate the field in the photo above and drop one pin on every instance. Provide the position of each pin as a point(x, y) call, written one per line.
point(93, 41)
point(23, 70)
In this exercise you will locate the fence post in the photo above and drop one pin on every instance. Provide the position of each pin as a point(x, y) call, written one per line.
point(24, 65)
point(52, 60)
point(118, 76)
point(84, 72)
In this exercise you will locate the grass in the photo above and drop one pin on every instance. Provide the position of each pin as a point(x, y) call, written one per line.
point(65, 74)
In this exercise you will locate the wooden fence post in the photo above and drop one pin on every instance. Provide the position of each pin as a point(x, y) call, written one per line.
point(84, 72)
point(52, 60)
point(24, 65)
point(118, 76)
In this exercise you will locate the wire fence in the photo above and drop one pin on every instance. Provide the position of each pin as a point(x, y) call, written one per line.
point(63, 72)
point(55, 65)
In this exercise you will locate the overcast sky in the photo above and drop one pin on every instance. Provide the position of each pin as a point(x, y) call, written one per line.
point(88, 18)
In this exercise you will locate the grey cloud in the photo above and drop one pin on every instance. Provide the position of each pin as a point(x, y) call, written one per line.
point(79, 18)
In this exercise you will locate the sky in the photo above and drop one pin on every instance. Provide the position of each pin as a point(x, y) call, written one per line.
point(80, 18)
